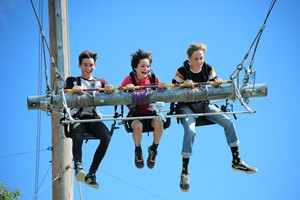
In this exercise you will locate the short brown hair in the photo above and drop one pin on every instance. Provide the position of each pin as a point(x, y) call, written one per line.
point(195, 47)
point(87, 54)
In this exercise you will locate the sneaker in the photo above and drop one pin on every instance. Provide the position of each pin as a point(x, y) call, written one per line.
point(151, 158)
point(138, 159)
point(244, 167)
point(90, 180)
point(184, 182)
point(79, 172)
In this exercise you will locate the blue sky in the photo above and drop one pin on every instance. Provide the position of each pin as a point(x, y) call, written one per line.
point(269, 138)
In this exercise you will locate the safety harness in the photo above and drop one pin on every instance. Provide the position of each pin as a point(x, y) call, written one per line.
point(78, 116)
point(196, 107)
point(146, 122)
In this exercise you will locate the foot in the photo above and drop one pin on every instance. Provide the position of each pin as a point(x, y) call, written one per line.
point(138, 159)
point(90, 180)
point(244, 167)
point(151, 158)
point(184, 182)
point(79, 172)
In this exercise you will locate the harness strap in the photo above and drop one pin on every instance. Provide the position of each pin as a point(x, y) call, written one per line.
point(141, 97)
point(187, 67)
point(152, 78)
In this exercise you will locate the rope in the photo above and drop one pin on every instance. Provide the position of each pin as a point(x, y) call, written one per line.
point(64, 103)
point(140, 97)
point(255, 43)
point(135, 186)
point(38, 134)
point(17, 154)
point(56, 178)
point(240, 98)
point(58, 76)
point(80, 192)
point(129, 183)
point(43, 42)
point(43, 178)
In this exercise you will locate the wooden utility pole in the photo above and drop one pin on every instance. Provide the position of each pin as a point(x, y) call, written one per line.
point(62, 173)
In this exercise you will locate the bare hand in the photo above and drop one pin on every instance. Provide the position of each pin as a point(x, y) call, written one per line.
point(189, 83)
point(108, 88)
point(130, 86)
point(161, 85)
point(218, 82)
point(78, 89)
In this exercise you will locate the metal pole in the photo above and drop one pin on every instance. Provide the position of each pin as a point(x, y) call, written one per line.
point(62, 188)
point(126, 98)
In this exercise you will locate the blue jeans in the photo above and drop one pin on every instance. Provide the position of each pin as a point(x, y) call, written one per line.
point(189, 127)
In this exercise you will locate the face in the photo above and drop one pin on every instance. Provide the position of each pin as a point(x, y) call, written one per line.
point(87, 67)
point(143, 68)
point(197, 59)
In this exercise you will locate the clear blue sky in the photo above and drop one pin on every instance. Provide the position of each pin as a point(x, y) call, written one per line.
point(269, 139)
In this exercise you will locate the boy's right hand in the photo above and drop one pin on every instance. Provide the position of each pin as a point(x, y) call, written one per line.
point(130, 86)
point(77, 89)
point(189, 83)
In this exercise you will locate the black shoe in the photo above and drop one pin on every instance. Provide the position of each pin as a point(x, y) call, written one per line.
point(79, 172)
point(90, 180)
point(184, 182)
point(138, 159)
point(244, 167)
point(151, 158)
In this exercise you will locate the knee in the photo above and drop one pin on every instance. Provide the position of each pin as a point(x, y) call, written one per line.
point(157, 124)
point(107, 140)
point(229, 125)
point(137, 126)
point(77, 137)
point(189, 134)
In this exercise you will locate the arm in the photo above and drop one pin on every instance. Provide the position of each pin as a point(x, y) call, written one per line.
point(181, 77)
point(70, 85)
point(160, 85)
point(70, 82)
point(127, 82)
point(212, 76)
point(107, 87)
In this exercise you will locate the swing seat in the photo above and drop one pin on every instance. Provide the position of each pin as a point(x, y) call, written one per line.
point(87, 135)
point(146, 129)
point(202, 121)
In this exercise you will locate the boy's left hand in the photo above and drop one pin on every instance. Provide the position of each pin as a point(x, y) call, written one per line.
point(218, 82)
point(161, 85)
point(108, 88)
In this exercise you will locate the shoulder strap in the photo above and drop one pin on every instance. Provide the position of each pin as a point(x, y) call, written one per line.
point(205, 73)
point(152, 77)
point(78, 80)
point(132, 77)
point(187, 67)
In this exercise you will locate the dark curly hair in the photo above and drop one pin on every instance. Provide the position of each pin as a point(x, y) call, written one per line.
point(87, 54)
point(139, 55)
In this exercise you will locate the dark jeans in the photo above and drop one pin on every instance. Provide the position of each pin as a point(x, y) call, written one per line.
point(99, 130)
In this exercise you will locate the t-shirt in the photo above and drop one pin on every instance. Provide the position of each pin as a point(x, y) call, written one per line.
point(139, 82)
point(206, 74)
point(86, 84)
